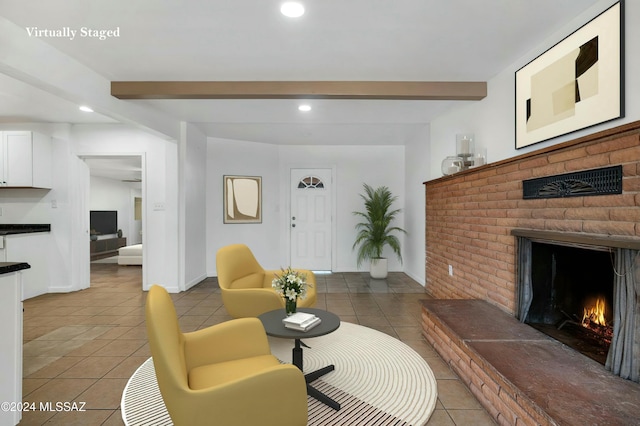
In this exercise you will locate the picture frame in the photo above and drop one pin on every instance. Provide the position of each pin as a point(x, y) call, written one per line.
point(242, 199)
point(577, 83)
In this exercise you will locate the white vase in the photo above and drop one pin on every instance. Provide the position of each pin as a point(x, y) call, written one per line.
point(378, 268)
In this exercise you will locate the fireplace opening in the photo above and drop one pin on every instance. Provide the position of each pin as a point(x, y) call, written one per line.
point(572, 289)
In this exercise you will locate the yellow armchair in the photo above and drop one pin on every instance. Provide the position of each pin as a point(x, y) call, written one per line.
point(246, 286)
point(221, 375)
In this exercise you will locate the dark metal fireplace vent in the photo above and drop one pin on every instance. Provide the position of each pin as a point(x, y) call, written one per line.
point(607, 180)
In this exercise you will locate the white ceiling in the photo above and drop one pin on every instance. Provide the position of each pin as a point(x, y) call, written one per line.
point(24, 103)
point(422, 40)
point(117, 167)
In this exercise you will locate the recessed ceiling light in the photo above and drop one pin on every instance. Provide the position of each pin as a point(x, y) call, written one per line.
point(292, 9)
point(304, 108)
point(85, 108)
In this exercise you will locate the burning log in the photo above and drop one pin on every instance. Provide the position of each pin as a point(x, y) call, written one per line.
point(601, 334)
point(604, 332)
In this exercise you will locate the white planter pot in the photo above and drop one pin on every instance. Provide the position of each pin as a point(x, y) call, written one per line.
point(378, 268)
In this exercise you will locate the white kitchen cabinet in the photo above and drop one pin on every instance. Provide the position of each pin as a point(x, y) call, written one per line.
point(25, 159)
point(34, 249)
point(11, 348)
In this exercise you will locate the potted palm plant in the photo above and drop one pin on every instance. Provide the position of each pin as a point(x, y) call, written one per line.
point(376, 230)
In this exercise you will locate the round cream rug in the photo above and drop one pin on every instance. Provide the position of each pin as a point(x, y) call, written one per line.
point(378, 380)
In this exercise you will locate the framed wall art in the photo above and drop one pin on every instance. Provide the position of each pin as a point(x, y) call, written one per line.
point(576, 84)
point(242, 199)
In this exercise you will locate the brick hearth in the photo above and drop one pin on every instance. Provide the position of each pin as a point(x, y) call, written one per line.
point(521, 376)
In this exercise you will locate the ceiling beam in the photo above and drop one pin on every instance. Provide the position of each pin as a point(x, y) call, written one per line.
point(385, 90)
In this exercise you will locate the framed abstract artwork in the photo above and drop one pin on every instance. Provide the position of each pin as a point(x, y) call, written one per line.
point(576, 84)
point(242, 199)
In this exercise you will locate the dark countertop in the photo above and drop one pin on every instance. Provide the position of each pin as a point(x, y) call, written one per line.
point(10, 229)
point(8, 267)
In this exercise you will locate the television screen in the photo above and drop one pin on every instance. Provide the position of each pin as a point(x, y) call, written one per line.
point(104, 222)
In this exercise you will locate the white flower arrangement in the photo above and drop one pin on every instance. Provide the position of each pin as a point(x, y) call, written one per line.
point(290, 284)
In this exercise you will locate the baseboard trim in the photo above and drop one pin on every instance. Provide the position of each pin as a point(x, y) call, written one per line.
point(195, 281)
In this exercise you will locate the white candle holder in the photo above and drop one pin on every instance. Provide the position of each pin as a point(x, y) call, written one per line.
point(465, 149)
point(451, 165)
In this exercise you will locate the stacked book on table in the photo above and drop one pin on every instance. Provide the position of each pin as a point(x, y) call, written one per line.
point(301, 321)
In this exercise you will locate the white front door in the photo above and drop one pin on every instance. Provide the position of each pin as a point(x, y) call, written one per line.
point(310, 221)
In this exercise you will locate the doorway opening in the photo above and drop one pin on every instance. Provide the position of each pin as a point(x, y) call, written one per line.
point(116, 186)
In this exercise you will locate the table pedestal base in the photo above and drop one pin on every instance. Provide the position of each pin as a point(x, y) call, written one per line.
point(311, 391)
point(310, 377)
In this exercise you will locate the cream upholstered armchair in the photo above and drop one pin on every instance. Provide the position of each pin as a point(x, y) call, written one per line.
point(221, 375)
point(246, 286)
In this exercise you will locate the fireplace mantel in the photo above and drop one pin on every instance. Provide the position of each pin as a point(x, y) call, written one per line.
point(579, 238)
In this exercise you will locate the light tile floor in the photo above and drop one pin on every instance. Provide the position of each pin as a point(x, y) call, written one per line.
point(83, 346)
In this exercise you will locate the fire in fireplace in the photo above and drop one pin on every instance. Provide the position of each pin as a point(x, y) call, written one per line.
point(594, 313)
point(572, 300)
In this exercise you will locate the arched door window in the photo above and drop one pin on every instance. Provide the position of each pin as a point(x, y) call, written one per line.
point(311, 182)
